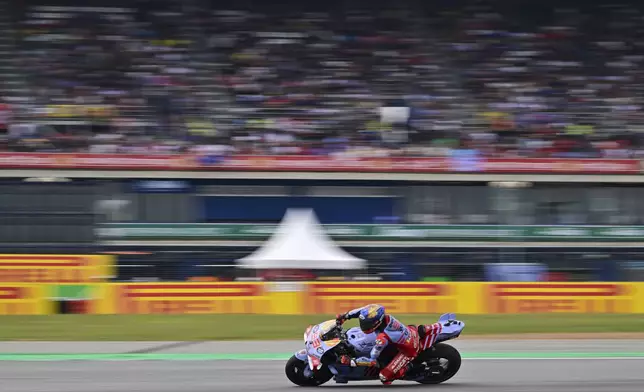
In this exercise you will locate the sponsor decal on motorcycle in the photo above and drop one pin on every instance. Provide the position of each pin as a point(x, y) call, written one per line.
point(399, 362)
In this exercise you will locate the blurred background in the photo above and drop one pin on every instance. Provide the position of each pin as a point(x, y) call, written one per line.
point(466, 81)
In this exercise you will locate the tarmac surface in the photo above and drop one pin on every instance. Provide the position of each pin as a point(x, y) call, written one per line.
point(481, 375)
point(476, 375)
point(290, 346)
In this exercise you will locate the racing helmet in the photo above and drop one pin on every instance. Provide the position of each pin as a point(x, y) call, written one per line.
point(371, 317)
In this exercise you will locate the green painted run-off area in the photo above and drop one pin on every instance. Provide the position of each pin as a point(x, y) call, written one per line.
point(207, 327)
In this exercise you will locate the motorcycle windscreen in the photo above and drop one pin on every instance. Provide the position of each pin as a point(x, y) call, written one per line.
point(326, 327)
point(314, 334)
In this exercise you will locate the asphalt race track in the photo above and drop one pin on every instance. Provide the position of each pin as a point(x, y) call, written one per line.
point(511, 371)
point(587, 375)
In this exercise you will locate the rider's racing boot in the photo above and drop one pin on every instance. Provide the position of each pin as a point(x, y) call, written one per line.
point(384, 380)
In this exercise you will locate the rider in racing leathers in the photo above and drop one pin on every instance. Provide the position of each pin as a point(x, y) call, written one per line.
point(406, 339)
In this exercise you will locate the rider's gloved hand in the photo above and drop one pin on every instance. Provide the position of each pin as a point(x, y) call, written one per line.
point(340, 318)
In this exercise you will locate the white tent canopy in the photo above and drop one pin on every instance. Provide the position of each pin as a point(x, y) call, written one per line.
point(300, 243)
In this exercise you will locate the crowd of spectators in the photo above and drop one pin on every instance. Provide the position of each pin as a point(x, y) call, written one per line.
point(529, 79)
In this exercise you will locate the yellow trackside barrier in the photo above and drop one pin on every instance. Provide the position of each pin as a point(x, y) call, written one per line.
point(398, 297)
point(286, 297)
point(562, 297)
point(477, 298)
point(23, 299)
point(186, 298)
point(31, 284)
point(198, 297)
point(332, 297)
point(55, 269)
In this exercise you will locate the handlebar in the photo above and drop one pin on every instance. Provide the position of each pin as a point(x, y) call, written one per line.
point(341, 331)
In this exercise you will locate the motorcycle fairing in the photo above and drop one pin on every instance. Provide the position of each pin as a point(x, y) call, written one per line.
point(315, 346)
point(452, 327)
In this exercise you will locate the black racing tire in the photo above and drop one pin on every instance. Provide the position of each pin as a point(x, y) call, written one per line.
point(444, 351)
point(295, 373)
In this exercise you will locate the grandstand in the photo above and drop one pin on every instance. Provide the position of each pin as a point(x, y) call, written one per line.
point(531, 80)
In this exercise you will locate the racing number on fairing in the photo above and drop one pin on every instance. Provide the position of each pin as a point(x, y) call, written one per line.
point(316, 343)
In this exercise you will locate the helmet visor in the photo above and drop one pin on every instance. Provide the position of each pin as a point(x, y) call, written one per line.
point(369, 325)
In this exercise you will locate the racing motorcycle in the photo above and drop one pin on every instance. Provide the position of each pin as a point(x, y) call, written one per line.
point(326, 342)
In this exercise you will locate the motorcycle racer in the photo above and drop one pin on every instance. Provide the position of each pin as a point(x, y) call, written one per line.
point(408, 340)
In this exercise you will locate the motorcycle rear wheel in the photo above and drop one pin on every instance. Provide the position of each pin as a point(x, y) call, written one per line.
point(295, 373)
point(441, 351)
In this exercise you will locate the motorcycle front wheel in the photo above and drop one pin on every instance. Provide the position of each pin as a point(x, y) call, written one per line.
point(295, 373)
point(441, 363)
